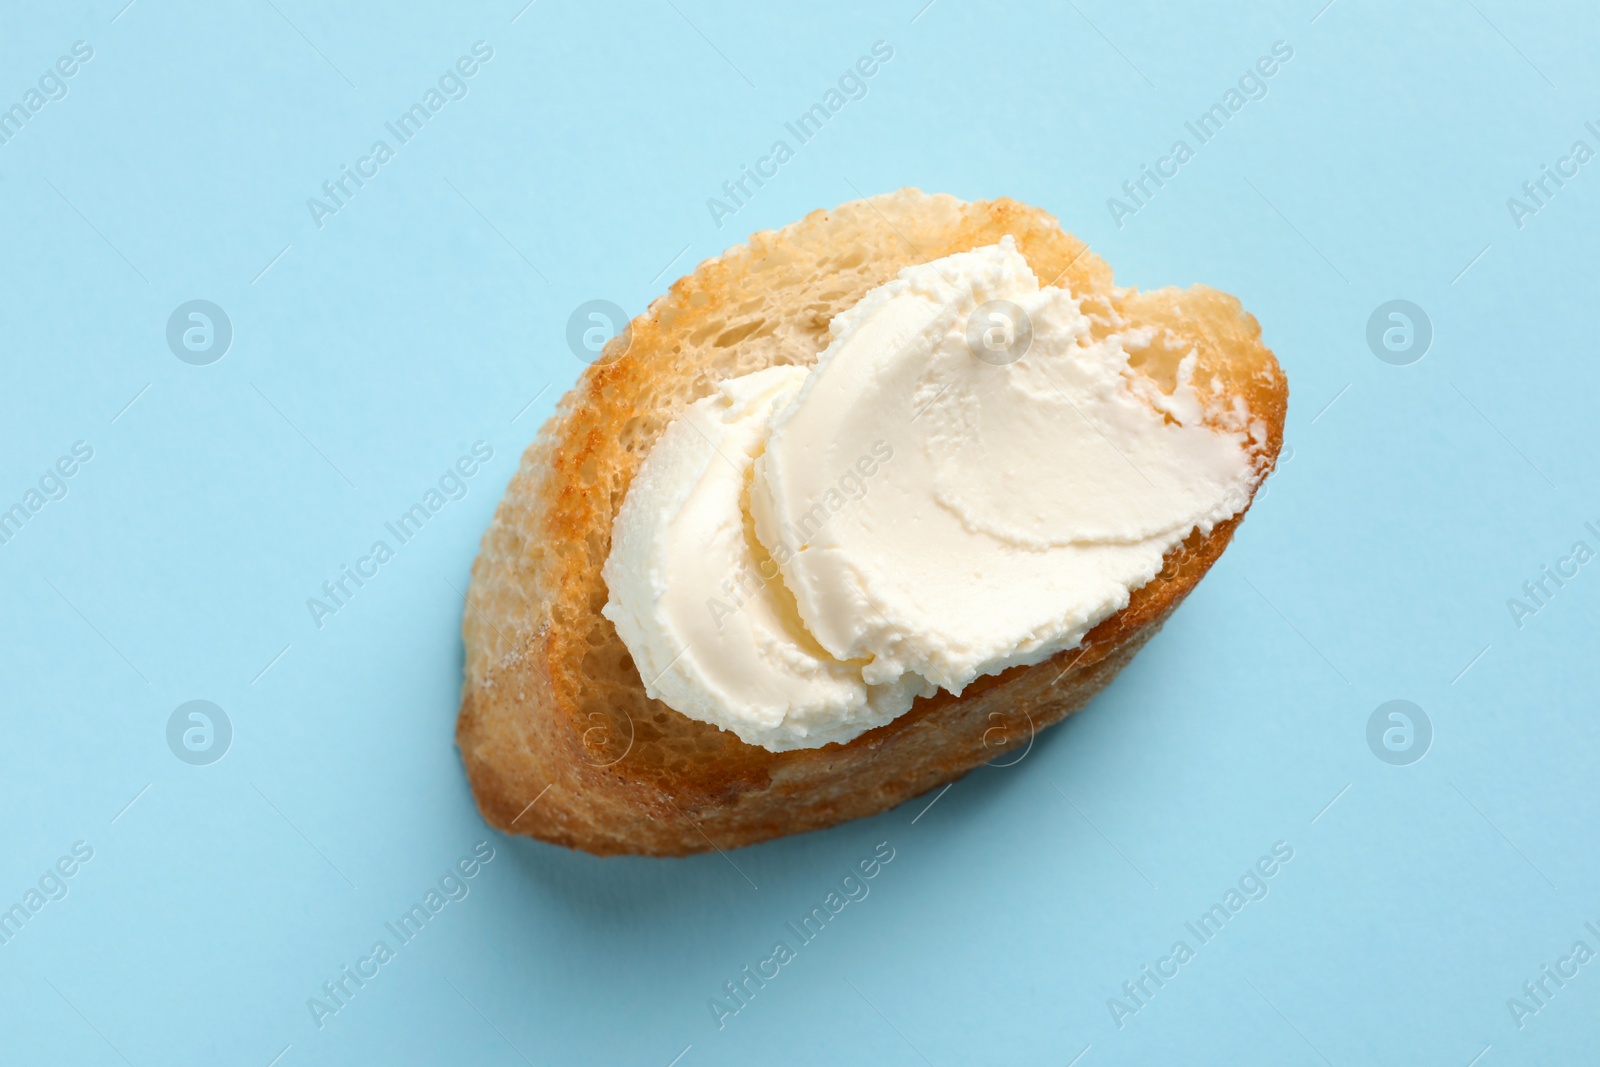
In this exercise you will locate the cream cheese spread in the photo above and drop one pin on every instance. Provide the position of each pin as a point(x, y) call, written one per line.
point(699, 602)
point(966, 481)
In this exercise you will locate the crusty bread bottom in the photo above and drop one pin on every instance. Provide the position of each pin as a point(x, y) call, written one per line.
point(560, 741)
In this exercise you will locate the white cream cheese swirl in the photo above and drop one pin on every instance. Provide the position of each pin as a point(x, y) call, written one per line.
point(698, 601)
point(966, 481)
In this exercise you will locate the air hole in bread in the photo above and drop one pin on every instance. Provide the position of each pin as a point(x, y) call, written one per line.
point(738, 333)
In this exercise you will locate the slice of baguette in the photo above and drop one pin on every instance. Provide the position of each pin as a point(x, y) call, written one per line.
point(558, 737)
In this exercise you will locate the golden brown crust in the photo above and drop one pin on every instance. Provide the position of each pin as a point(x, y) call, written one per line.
point(558, 738)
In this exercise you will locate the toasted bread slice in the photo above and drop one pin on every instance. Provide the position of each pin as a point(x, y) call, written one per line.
point(559, 739)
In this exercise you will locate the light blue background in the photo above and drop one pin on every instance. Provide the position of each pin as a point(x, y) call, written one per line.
point(427, 314)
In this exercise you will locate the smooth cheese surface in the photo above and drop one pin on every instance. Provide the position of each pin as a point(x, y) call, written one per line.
point(1032, 486)
point(700, 605)
point(965, 481)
